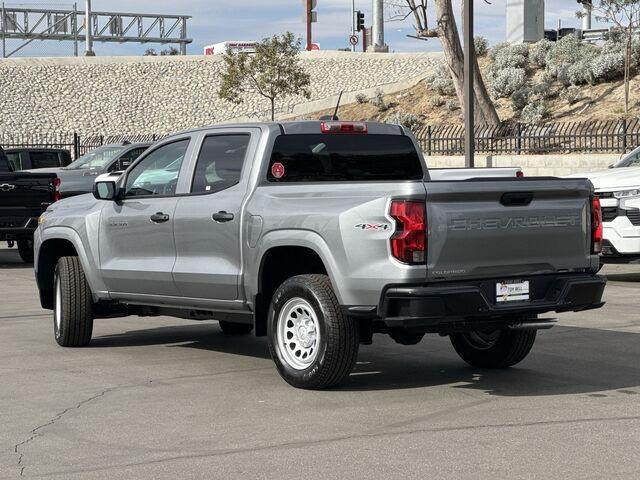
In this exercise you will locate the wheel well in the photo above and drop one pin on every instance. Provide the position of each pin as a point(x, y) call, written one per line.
point(50, 252)
point(279, 264)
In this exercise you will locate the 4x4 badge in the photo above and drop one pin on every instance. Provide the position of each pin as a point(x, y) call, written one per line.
point(372, 226)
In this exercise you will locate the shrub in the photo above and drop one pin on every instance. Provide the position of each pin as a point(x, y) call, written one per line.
point(568, 52)
point(361, 98)
point(571, 94)
point(608, 66)
point(452, 105)
point(534, 112)
point(511, 56)
point(506, 82)
point(439, 79)
point(378, 101)
point(437, 101)
point(481, 45)
point(579, 73)
point(538, 52)
point(408, 120)
point(520, 98)
point(541, 90)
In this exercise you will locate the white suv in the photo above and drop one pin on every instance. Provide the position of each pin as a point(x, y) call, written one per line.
point(619, 192)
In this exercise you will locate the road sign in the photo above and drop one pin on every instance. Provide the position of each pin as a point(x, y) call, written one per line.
point(315, 46)
point(353, 39)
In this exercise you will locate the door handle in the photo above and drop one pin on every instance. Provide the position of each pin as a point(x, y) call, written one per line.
point(222, 216)
point(159, 217)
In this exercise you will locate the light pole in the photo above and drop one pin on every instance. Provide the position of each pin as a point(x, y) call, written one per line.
point(353, 22)
point(469, 57)
point(89, 31)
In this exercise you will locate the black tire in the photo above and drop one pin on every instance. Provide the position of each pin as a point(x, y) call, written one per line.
point(232, 328)
point(336, 344)
point(72, 304)
point(25, 250)
point(505, 349)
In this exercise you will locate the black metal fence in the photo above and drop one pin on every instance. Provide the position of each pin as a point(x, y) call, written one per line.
point(610, 136)
point(76, 144)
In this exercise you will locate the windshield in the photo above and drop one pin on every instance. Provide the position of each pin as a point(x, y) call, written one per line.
point(97, 158)
point(631, 160)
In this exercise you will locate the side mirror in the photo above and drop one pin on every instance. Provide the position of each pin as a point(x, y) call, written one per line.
point(105, 190)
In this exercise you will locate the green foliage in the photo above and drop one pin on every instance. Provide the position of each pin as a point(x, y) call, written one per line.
point(171, 50)
point(481, 45)
point(520, 98)
point(408, 120)
point(437, 101)
point(273, 71)
point(538, 52)
point(361, 98)
point(439, 79)
point(378, 101)
point(534, 112)
point(505, 82)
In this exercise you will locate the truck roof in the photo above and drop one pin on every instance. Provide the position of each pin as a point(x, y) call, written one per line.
point(296, 127)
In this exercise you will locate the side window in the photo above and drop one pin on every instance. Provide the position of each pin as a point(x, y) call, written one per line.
point(126, 159)
point(14, 161)
point(44, 159)
point(157, 173)
point(219, 162)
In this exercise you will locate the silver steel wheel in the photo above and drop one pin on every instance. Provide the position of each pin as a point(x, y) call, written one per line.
point(482, 340)
point(57, 312)
point(298, 333)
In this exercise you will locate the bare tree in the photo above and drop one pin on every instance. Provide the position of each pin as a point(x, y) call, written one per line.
point(446, 30)
point(625, 16)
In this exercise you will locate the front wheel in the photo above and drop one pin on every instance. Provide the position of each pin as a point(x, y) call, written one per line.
point(72, 304)
point(25, 250)
point(493, 349)
point(313, 344)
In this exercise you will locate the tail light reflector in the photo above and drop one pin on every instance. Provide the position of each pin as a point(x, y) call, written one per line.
point(596, 225)
point(343, 127)
point(56, 190)
point(409, 242)
point(519, 174)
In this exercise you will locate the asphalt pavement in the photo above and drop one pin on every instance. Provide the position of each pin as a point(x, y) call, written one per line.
point(156, 398)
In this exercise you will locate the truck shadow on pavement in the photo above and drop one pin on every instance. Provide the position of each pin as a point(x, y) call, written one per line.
point(10, 259)
point(565, 360)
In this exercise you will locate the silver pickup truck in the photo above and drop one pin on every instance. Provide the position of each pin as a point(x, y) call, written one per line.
point(318, 235)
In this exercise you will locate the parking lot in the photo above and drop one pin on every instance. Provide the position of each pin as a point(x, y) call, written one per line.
point(167, 398)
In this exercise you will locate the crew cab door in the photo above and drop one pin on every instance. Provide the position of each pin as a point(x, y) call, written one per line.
point(137, 248)
point(208, 220)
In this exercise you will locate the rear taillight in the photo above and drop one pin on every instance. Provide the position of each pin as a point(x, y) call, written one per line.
point(596, 226)
point(343, 127)
point(409, 242)
point(56, 190)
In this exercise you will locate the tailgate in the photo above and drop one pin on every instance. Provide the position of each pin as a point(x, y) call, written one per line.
point(26, 190)
point(499, 228)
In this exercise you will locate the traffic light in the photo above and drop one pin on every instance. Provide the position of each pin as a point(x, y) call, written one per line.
point(359, 21)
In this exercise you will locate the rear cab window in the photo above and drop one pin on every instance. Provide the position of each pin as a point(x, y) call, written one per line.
point(344, 157)
point(45, 159)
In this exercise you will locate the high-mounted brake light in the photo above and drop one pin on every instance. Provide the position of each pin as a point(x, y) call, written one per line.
point(56, 190)
point(519, 174)
point(343, 127)
point(409, 242)
point(596, 225)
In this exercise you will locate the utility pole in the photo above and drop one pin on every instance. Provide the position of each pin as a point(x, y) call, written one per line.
point(586, 14)
point(89, 31)
point(353, 22)
point(309, 19)
point(469, 56)
point(377, 41)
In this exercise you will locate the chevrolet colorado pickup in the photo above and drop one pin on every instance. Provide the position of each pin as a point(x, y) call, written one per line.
point(318, 235)
point(23, 198)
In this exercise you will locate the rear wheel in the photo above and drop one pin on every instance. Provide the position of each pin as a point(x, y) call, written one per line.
point(231, 328)
point(25, 250)
point(313, 344)
point(72, 304)
point(493, 349)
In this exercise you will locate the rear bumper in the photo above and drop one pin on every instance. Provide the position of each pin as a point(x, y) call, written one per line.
point(16, 229)
point(455, 306)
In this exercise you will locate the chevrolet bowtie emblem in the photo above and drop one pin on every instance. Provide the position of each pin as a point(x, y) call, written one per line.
point(6, 187)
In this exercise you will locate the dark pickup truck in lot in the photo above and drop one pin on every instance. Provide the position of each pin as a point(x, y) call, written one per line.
point(34, 158)
point(23, 198)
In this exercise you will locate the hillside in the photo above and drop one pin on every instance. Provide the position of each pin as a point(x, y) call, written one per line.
point(556, 91)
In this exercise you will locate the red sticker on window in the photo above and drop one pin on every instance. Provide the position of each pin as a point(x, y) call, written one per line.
point(277, 170)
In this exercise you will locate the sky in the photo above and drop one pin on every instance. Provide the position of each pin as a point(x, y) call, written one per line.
point(215, 21)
